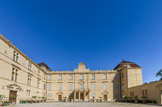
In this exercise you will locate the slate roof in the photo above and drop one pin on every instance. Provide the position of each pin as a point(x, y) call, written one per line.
point(123, 63)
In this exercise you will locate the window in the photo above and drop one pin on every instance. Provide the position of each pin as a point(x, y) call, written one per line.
point(70, 86)
point(29, 79)
point(60, 87)
point(44, 76)
point(81, 76)
point(132, 94)
point(105, 76)
point(49, 86)
point(122, 75)
point(49, 77)
point(122, 85)
point(116, 86)
point(38, 73)
point(105, 87)
point(93, 95)
point(116, 76)
point(29, 66)
point(81, 86)
point(49, 95)
point(93, 86)
point(60, 77)
point(70, 77)
point(44, 87)
point(38, 82)
point(14, 74)
point(93, 76)
point(116, 95)
point(144, 92)
point(27, 92)
point(15, 56)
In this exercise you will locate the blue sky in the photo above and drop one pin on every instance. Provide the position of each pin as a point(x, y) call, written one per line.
point(100, 33)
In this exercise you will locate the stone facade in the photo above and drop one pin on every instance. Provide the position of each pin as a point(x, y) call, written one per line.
point(21, 77)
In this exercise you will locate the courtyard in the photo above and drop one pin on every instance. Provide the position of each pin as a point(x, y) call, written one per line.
point(83, 104)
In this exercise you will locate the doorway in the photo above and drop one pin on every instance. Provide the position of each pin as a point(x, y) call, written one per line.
point(12, 96)
point(59, 97)
point(105, 97)
point(81, 96)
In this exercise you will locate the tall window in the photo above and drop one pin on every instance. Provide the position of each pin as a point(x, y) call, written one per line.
point(49, 77)
point(70, 77)
point(60, 87)
point(144, 92)
point(14, 74)
point(44, 87)
point(38, 82)
point(105, 87)
point(29, 66)
point(116, 86)
point(93, 95)
point(15, 56)
point(60, 77)
point(105, 76)
point(81, 76)
point(93, 86)
point(49, 86)
point(27, 92)
point(81, 86)
point(29, 79)
point(122, 75)
point(38, 72)
point(116, 76)
point(70, 87)
point(93, 76)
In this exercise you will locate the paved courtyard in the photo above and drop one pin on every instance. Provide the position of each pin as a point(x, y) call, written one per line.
point(60, 104)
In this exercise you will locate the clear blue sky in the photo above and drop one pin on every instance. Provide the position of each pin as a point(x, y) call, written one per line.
point(101, 33)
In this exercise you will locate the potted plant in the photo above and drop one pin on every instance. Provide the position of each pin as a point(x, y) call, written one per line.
point(144, 98)
point(1, 98)
point(39, 99)
point(64, 99)
point(70, 99)
point(44, 99)
point(130, 99)
point(136, 99)
point(93, 99)
point(125, 98)
point(34, 98)
point(100, 99)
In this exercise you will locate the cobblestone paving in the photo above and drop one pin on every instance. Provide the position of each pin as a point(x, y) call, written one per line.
point(84, 104)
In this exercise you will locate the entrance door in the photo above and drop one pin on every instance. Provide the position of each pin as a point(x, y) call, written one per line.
point(105, 97)
point(12, 96)
point(81, 96)
point(60, 97)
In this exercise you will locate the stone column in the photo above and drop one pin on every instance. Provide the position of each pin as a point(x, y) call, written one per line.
point(74, 95)
point(84, 96)
point(79, 95)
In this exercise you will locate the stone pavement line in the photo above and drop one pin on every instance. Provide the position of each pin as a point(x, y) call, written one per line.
point(78, 104)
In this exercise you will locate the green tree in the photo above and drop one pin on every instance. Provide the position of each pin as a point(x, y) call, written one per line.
point(159, 74)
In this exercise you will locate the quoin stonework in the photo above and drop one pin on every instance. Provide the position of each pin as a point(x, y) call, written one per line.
point(23, 78)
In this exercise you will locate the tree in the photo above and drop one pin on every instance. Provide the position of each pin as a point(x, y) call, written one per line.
point(159, 74)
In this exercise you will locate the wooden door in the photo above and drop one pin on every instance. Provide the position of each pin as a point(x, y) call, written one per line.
point(105, 97)
point(81, 96)
point(13, 96)
point(60, 97)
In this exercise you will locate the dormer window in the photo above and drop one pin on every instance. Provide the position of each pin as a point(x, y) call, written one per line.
point(29, 66)
point(81, 76)
point(15, 56)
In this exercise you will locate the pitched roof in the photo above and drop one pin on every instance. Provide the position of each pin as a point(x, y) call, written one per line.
point(123, 63)
point(44, 65)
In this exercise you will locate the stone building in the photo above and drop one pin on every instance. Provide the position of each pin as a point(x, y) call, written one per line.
point(23, 78)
